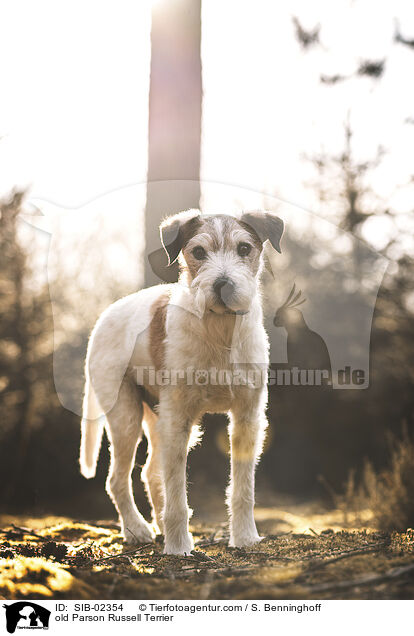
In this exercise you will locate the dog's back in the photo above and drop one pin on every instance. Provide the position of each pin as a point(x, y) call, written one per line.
point(118, 342)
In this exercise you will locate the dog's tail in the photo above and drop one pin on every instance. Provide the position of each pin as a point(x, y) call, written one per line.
point(91, 432)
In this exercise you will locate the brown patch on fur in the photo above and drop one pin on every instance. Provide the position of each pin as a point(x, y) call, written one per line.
point(215, 236)
point(220, 238)
point(157, 329)
point(189, 229)
point(229, 224)
point(193, 265)
point(189, 262)
point(176, 231)
point(258, 243)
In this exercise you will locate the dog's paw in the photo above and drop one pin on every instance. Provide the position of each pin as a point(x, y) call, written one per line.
point(182, 546)
point(244, 541)
point(138, 533)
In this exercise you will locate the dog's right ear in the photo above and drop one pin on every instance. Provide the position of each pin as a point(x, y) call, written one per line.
point(266, 225)
point(176, 231)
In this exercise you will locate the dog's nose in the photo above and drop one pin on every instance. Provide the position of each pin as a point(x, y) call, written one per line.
point(223, 288)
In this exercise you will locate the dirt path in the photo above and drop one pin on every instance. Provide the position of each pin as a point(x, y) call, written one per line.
point(309, 557)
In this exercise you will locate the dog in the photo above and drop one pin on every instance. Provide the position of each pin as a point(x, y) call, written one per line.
point(210, 319)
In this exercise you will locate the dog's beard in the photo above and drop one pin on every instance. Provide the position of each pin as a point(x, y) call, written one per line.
point(199, 301)
point(205, 300)
point(222, 309)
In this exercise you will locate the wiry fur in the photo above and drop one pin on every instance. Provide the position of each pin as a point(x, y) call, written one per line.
point(183, 325)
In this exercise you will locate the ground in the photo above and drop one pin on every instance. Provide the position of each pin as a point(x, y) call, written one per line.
point(304, 555)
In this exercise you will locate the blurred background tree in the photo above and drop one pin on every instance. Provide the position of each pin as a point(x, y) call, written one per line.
point(174, 127)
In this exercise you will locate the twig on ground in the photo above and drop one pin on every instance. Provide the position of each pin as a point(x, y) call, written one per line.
point(202, 556)
point(19, 531)
point(372, 579)
point(320, 536)
point(207, 542)
point(108, 525)
point(116, 556)
point(345, 555)
point(319, 563)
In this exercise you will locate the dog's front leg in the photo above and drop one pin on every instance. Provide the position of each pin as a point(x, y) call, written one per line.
point(175, 438)
point(247, 430)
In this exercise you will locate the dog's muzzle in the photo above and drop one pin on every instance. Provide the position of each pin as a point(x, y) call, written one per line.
point(224, 289)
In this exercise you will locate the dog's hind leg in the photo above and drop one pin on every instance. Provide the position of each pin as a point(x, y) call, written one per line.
point(124, 427)
point(151, 474)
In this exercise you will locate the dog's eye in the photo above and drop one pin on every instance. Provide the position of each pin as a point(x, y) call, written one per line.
point(199, 253)
point(243, 249)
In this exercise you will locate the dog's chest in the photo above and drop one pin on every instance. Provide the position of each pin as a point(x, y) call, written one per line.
point(215, 363)
point(204, 348)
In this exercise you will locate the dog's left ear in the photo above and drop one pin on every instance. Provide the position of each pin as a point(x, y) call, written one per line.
point(176, 231)
point(266, 225)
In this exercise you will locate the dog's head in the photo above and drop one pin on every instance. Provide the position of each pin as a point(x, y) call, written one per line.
point(220, 255)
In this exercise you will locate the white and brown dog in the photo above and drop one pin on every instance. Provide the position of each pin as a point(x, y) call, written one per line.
point(211, 319)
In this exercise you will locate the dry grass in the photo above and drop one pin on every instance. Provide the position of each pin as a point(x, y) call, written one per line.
point(388, 493)
point(88, 560)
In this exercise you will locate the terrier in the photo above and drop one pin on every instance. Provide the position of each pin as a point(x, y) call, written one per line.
point(152, 364)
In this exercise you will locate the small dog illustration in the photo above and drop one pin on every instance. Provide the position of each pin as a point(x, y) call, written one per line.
point(25, 614)
point(211, 318)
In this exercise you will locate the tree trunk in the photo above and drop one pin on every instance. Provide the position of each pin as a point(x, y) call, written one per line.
point(174, 124)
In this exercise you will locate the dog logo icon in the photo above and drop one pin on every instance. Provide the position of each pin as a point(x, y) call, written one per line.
point(26, 615)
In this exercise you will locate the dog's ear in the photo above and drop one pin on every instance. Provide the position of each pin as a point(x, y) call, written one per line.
point(266, 225)
point(176, 231)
